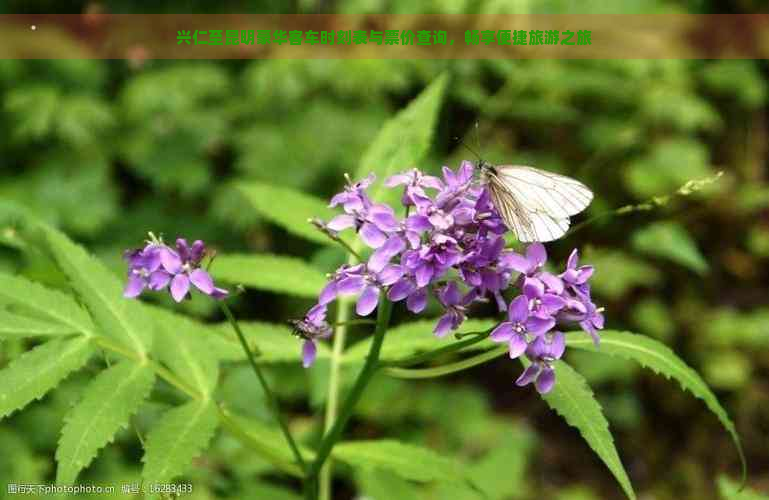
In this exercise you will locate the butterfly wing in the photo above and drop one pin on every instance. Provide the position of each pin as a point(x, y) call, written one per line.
point(535, 204)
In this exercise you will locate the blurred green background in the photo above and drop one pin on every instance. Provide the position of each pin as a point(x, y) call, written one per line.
point(108, 150)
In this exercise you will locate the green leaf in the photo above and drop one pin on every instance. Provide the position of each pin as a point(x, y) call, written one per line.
point(273, 273)
point(403, 140)
point(669, 240)
point(32, 298)
point(731, 490)
point(107, 405)
point(659, 358)
point(405, 460)
point(16, 326)
point(179, 436)
point(288, 208)
point(267, 442)
point(377, 483)
point(35, 372)
point(413, 337)
point(188, 354)
point(573, 399)
point(102, 293)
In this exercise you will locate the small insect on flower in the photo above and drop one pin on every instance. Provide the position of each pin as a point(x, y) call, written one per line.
point(535, 204)
point(313, 326)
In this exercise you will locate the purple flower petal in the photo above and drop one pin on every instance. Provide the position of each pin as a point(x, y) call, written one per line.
point(398, 180)
point(183, 248)
point(372, 235)
point(367, 301)
point(180, 285)
point(309, 351)
point(328, 293)
point(134, 286)
point(423, 275)
point(538, 326)
point(417, 301)
point(197, 251)
point(553, 282)
point(202, 280)
point(159, 280)
point(573, 261)
point(529, 375)
point(518, 345)
point(545, 381)
point(350, 285)
point(401, 289)
point(502, 333)
point(553, 302)
point(444, 325)
point(219, 293)
point(341, 222)
point(533, 288)
point(170, 260)
point(390, 274)
point(515, 262)
point(418, 223)
point(392, 247)
point(518, 310)
point(450, 295)
point(382, 216)
point(536, 255)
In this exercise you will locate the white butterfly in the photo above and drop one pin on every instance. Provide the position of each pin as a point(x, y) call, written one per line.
point(535, 204)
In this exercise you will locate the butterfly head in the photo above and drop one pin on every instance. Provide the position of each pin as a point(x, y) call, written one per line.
point(486, 169)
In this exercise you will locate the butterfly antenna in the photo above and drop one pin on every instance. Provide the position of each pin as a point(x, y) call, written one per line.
point(468, 148)
point(477, 136)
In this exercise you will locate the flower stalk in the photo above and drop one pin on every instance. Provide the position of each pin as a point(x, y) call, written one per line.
point(364, 377)
point(272, 402)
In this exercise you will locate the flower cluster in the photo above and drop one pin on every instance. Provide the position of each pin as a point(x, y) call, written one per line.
point(451, 244)
point(156, 266)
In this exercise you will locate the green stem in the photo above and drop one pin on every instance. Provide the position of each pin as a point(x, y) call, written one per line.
point(272, 402)
point(364, 377)
point(427, 356)
point(439, 371)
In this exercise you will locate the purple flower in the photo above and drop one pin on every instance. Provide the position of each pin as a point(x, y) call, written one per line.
point(542, 353)
point(576, 275)
point(364, 280)
point(312, 327)
point(451, 299)
point(156, 266)
point(521, 327)
point(144, 270)
point(453, 240)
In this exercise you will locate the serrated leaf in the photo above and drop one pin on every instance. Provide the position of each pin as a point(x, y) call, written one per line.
point(102, 293)
point(403, 140)
point(669, 240)
point(106, 407)
point(177, 437)
point(33, 298)
point(573, 399)
point(413, 337)
point(274, 342)
point(405, 460)
point(659, 358)
point(273, 273)
point(186, 352)
point(288, 208)
point(16, 326)
point(37, 371)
